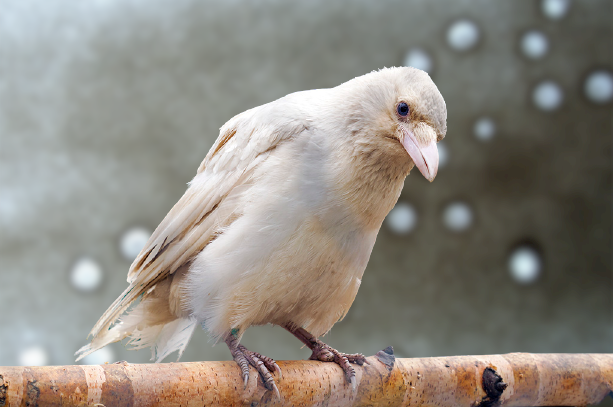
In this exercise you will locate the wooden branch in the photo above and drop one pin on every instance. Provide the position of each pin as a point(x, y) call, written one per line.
point(516, 379)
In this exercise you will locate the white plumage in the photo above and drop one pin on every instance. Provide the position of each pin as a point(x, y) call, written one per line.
point(279, 222)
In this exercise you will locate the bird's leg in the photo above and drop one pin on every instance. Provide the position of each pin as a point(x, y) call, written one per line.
point(263, 364)
point(326, 353)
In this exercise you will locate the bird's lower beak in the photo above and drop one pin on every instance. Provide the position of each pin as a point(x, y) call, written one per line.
point(425, 156)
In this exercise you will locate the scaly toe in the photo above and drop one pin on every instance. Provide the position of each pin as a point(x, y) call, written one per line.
point(264, 365)
point(343, 362)
point(322, 353)
point(243, 363)
point(357, 358)
point(325, 353)
point(270, 364)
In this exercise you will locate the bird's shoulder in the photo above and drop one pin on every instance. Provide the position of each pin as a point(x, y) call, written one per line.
point(244, 142)
point(260, 129)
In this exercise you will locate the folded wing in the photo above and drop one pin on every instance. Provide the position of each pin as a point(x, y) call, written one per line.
point(244, 142)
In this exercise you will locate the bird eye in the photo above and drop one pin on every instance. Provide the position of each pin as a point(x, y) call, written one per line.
point(403, 109)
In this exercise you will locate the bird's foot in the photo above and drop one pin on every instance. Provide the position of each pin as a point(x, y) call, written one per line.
point(263, 364)
point(326, 353)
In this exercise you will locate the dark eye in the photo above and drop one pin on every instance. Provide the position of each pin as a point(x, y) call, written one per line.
point(403, 109)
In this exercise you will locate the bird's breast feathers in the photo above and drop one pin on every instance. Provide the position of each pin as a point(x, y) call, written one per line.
point(298, 247)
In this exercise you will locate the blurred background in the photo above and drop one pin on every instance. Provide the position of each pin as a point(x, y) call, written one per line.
point(107, 108)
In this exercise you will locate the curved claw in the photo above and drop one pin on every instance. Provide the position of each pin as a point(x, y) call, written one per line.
point(263, 364)
point(276, 390)
point(278, 370)
point(353, 383)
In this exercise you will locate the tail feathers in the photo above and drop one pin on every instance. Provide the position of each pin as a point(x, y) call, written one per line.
point(118, 307)
point(163, 338)
point(117, 333)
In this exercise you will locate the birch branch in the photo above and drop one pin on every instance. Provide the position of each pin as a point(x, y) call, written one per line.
point(516, 379)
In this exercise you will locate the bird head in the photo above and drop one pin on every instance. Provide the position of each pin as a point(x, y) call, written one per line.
point(403, 109)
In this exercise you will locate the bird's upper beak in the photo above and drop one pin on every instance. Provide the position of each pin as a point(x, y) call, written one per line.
point(424, 154)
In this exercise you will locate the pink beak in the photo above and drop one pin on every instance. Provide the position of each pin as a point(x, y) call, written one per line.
point(425, 157)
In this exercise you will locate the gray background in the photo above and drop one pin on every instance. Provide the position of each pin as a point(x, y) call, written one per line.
point(107, 108)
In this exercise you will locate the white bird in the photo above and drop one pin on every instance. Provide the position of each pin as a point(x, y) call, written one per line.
point(279, 222)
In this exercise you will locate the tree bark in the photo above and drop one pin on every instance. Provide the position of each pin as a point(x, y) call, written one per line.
point(516, 379)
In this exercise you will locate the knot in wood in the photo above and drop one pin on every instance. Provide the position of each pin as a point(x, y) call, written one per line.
point(493, 387)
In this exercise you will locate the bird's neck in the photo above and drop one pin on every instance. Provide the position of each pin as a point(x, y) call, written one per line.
point(373, 179)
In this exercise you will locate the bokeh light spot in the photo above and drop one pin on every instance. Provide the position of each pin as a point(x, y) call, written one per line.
point(418, 58)
point(33, 356)
point(555, 9)
point(525, 264)
point(484, 129)
point(99, 357)
point(599, 87)
point(133, 241)
point(86, 275)
point(402, 219)
point(458, 216)
point(534, 44)
point(547, 96)
point(462, 35)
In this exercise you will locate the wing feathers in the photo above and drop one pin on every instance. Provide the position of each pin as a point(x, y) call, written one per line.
point(244, 142)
